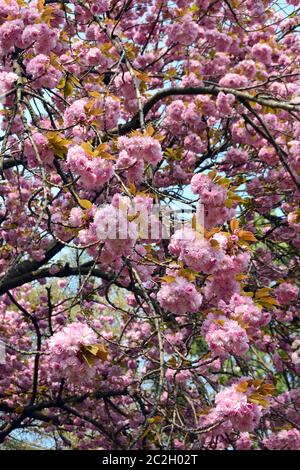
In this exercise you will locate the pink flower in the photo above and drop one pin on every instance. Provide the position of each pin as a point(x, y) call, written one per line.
point(248, 67)
point(225, 337)
point(192, 114)
point(224, 103)
point(8, 9)
point(178, 238)
point(139, 147)
point(93, 172)
point(109, 117)
point(75, 113)
point(38, 65)
point(42, 72)
point(197, 254)
point(42, 145)
point(213, 197)
point(7, 79)
point(233, 405)
point(179, 297)
point(125, 86)
point(233, 80)
point(244, 308)
point(210, 192)
point(112, 223)
point(244, 442)
point(286, 439)
point(194, 143)
point(99, 6)
point(43, 38)
point(129, 167)
point(11, 33)
point(262, 52)
point(286, 293)
point(296, 352)
point(175, 110)
point(76, 217)
point(217, 215)
point(183, 32)
point(95, 57)
point(64, 348)
point(236, 156)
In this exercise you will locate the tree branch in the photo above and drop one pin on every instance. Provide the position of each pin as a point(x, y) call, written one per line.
point(213, 90)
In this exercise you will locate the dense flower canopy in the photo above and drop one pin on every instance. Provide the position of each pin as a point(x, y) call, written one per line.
point(109, 109)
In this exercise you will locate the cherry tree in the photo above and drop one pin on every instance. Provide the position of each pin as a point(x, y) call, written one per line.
point(117, 331)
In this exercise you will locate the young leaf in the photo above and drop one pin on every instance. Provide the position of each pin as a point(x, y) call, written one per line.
point(167, 279)
point(85, 204)
point(234, 225)
point(57, 144)
point(246, 236)
point(242, 386)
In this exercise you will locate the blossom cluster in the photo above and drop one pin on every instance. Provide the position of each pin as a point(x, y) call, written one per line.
point(65, 347)
point(93, 172)
point(170, 293)
point(213, 196)
point(141, 147)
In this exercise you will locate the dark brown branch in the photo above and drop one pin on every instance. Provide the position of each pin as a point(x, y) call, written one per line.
point(66, 271)
point(213, 90)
